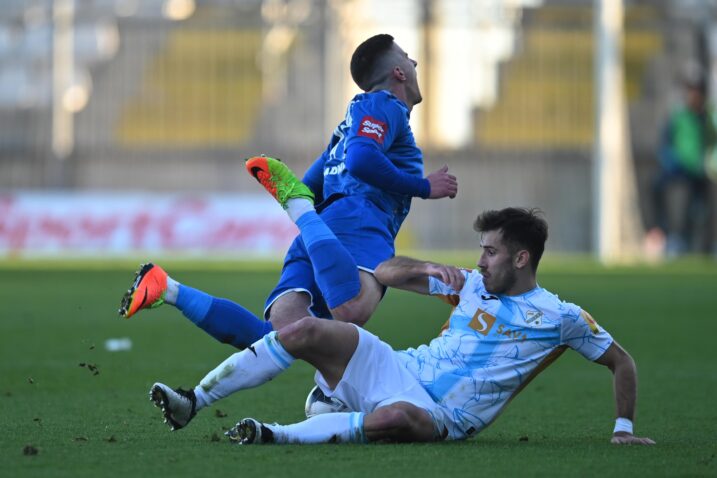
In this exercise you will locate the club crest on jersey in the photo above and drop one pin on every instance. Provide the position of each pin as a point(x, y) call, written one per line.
point(534, 317)
point(372, 128)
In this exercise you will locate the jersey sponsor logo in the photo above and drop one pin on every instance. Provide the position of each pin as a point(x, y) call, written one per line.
point(534, 317)
point(482, 322)
point(510, 333)
point(372, 128)
point(590, 321)
point(335, 169)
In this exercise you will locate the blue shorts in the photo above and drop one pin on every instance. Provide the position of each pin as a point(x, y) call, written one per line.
point(363, 230)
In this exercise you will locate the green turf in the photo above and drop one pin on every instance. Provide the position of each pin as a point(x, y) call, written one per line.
point(54, 318)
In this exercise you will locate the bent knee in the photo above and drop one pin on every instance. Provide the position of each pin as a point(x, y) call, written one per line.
point(406, 422)
point(401, 420)
point(354, 312)
point(302, 333)
point(359, 309)
point(396, 419)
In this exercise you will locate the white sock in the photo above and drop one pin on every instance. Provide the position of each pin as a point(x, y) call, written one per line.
point(257, 364)
point(325, 428)
point(170, 295)
point(297, 207)
point(202, 398)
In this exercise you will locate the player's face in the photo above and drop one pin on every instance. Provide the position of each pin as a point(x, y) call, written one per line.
point(408, 65)
point(496, 264)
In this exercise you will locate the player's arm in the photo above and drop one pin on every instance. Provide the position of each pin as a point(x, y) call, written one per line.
point(314, 177)
point(412, 275)
point(624, 372)
point(366, 161)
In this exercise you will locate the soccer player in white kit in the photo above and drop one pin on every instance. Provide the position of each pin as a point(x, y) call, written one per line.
point(503, 331)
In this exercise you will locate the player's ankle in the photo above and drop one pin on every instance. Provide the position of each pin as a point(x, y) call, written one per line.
point(170, 295)
point(203, 400)
point(297, 207)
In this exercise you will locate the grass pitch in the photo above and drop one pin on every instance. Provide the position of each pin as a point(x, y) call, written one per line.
point(68, 407)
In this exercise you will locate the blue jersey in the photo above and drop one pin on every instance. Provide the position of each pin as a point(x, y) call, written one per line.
point(382, 119)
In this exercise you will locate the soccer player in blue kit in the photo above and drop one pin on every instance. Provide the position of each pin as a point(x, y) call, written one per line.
point(503, 330)
point(362, 186)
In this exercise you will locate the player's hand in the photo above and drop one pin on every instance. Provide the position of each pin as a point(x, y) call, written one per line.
point(449, 275)
point(624, 438)
point(442, 184)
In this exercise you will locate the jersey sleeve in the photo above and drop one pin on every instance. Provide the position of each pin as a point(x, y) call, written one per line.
point(377, 121)
point(582, 333)
point(443, 291)
point(369, 164)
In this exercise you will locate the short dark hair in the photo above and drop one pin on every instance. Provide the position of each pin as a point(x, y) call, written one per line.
point(366, 57)
point(521, 228)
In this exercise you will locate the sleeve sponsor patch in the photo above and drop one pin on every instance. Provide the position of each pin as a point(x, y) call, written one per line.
point(372, 128)
point(591, 322)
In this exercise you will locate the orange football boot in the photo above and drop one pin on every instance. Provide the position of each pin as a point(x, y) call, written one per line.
point(147, 291)
point(278, 179)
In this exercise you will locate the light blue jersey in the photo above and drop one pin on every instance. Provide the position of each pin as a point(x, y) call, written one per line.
point(493, 346)
point(381, 119)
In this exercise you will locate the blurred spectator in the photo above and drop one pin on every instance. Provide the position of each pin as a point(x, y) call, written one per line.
point(687, 138)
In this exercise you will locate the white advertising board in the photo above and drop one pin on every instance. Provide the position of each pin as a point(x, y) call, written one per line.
point(107, 224)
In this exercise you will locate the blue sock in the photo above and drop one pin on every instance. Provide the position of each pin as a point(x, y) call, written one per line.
point(226, 321)
point(335, 270)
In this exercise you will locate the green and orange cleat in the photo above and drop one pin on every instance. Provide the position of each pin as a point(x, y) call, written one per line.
point(278, 179)
point(147, 291)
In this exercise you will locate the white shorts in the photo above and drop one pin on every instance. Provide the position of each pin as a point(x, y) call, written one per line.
point(376, 377)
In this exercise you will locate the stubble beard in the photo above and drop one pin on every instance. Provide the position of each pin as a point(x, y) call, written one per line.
point(504, 285)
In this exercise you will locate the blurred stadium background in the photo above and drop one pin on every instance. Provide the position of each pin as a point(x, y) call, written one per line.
point(123, 123)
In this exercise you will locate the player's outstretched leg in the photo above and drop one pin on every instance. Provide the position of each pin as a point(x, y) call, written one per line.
point(335, 270)
point(398, 422)
point(226, 321)
point(328, 428)
point(178, 406)
point(259, 363)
